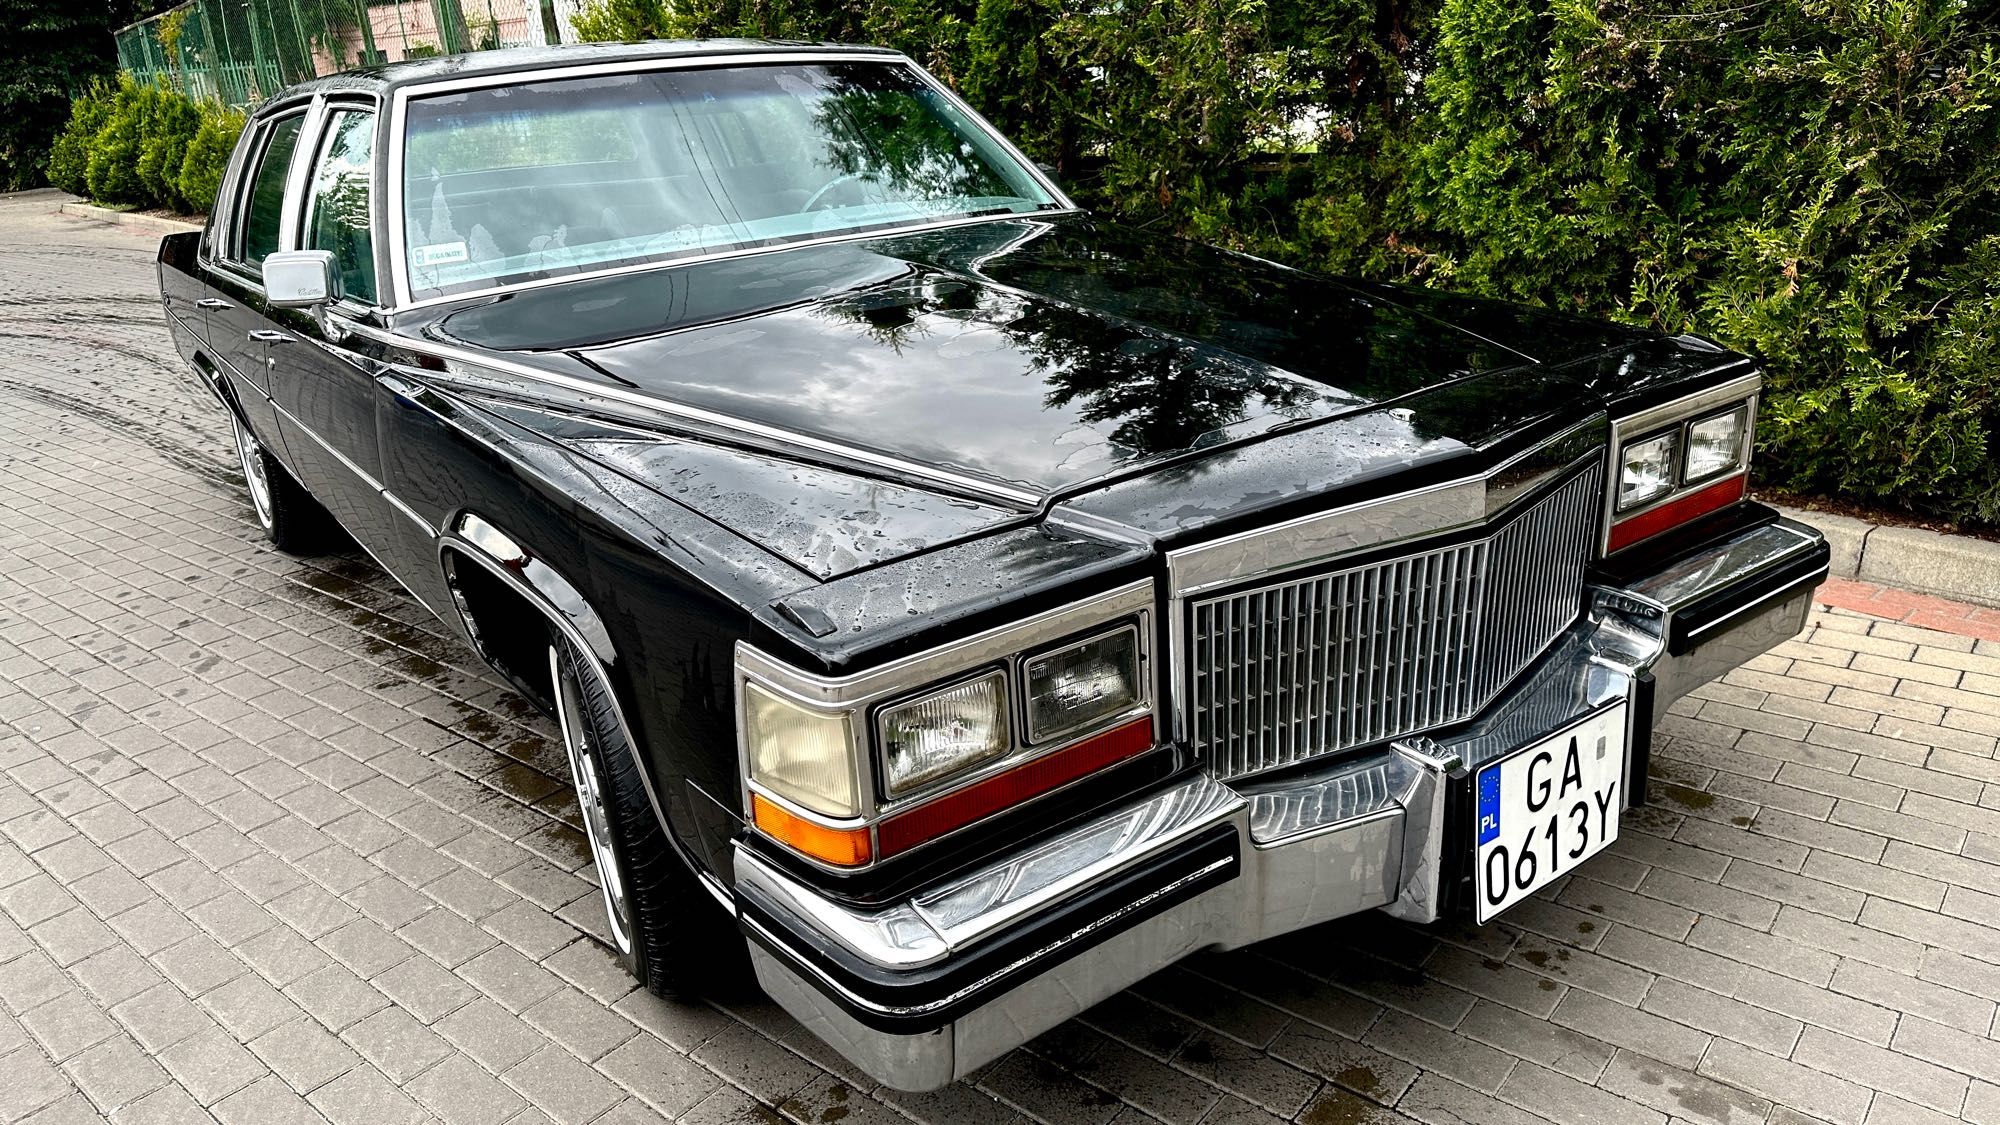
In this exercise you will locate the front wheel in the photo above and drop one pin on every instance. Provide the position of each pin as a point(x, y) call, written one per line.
point(672, 936)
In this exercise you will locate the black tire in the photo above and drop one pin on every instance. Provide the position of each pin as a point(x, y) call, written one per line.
point(678, 942)
point(295, 522)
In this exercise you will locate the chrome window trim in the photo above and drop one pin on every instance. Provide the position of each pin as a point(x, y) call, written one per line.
point(227, 257)
point(1669, 415)
point(345, 101)
point(403, 297)
point(296, 177)
point(862, 694)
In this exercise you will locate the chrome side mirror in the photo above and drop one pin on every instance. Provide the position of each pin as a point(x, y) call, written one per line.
point(300, 279)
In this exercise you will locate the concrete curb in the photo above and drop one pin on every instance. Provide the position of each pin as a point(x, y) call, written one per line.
point(1910, 558)
point(128, 218)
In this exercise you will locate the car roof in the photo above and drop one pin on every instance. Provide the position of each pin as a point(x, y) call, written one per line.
point(417, 72)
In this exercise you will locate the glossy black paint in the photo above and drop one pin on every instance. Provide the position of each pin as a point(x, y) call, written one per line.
point(1002, 417)
point(1036, 353)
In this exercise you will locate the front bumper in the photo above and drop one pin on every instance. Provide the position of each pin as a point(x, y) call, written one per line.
point(922, 993)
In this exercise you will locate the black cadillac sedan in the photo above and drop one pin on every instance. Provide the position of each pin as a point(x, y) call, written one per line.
point(953, 603)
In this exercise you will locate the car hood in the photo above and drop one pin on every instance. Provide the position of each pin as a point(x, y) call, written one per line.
point(1034, 354)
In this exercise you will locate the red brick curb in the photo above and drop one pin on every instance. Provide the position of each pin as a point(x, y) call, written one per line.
point(1912, 609)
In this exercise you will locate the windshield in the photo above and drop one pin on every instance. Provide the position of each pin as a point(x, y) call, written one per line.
point(515, 183)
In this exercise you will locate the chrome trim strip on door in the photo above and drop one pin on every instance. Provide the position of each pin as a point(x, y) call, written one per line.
point(367, 478)
point(397, 503)
point(772, 438)
point(398, 112)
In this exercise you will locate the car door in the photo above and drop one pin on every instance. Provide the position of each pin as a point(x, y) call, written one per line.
point(325, 386)
point(236, 317)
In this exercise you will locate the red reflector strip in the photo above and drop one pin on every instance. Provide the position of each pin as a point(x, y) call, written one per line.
point(1645, 525)
point(1030, 779)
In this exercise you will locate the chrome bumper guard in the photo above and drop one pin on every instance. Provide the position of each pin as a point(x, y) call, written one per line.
point(924, 992)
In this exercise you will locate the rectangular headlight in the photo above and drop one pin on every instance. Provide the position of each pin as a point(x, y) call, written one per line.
point(943, 733)
point(1646, 470)
point(802, 755)
point(1071, 688)
point(1715, 444)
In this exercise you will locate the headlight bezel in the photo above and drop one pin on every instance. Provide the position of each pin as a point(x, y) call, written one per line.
point(1738, 459)
point(1024, 665)
point(1688, 497)
point(1670, 478)
point(868, 697)
point(886, 789)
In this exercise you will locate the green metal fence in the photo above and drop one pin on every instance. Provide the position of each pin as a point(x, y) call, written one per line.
point(243, 51)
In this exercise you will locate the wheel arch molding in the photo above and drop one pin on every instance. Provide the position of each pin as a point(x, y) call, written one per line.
point(494, 555)
point(469, 535)
point(524, 579)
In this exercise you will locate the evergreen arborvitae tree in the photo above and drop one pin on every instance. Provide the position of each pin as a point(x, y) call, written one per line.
point(51, 51)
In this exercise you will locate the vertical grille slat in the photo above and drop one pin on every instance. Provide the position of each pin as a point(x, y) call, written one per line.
point(1310, 666)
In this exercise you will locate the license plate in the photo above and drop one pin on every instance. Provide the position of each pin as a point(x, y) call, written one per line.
point(1545, 808)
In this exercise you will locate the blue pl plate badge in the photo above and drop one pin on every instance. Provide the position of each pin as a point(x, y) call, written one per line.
point(1489, 804)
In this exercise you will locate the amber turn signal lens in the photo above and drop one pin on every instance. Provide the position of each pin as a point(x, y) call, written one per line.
point(843, 847)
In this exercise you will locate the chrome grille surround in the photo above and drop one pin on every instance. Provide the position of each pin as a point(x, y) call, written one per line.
point(1296, 668)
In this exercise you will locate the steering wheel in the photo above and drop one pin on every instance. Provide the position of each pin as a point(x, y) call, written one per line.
point(827, 187)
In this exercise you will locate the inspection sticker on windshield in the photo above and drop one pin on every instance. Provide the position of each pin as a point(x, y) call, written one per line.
point(438, 253)
point(1545, 808)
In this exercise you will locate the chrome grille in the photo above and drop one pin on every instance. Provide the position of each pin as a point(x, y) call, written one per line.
point(1314, 665)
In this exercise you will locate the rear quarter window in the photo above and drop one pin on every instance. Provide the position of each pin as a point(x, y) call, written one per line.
point(264, 199)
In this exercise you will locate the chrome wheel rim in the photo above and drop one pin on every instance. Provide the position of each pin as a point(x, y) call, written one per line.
point(252, 456)
point(590, 799)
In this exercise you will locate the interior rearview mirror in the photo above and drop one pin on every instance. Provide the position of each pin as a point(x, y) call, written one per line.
point(300, 279)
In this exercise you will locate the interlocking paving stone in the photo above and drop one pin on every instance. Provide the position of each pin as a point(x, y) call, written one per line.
point(273, 844)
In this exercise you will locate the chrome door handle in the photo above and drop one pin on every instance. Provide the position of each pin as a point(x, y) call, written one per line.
point(213, 303)
point(266, 336)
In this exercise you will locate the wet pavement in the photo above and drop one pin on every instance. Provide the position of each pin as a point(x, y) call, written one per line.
point(274, 847)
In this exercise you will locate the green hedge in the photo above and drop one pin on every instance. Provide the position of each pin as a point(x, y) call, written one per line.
point(1816, 181)
point(142, 145)
point(49, 50)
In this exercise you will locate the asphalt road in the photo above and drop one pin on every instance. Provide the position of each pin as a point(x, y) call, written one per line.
point(273, 847)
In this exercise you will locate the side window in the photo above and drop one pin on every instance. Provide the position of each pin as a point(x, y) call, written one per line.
point(337, 210)
point(264, 202)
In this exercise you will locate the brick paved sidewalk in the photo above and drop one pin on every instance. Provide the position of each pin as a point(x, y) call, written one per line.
point(272, 848)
